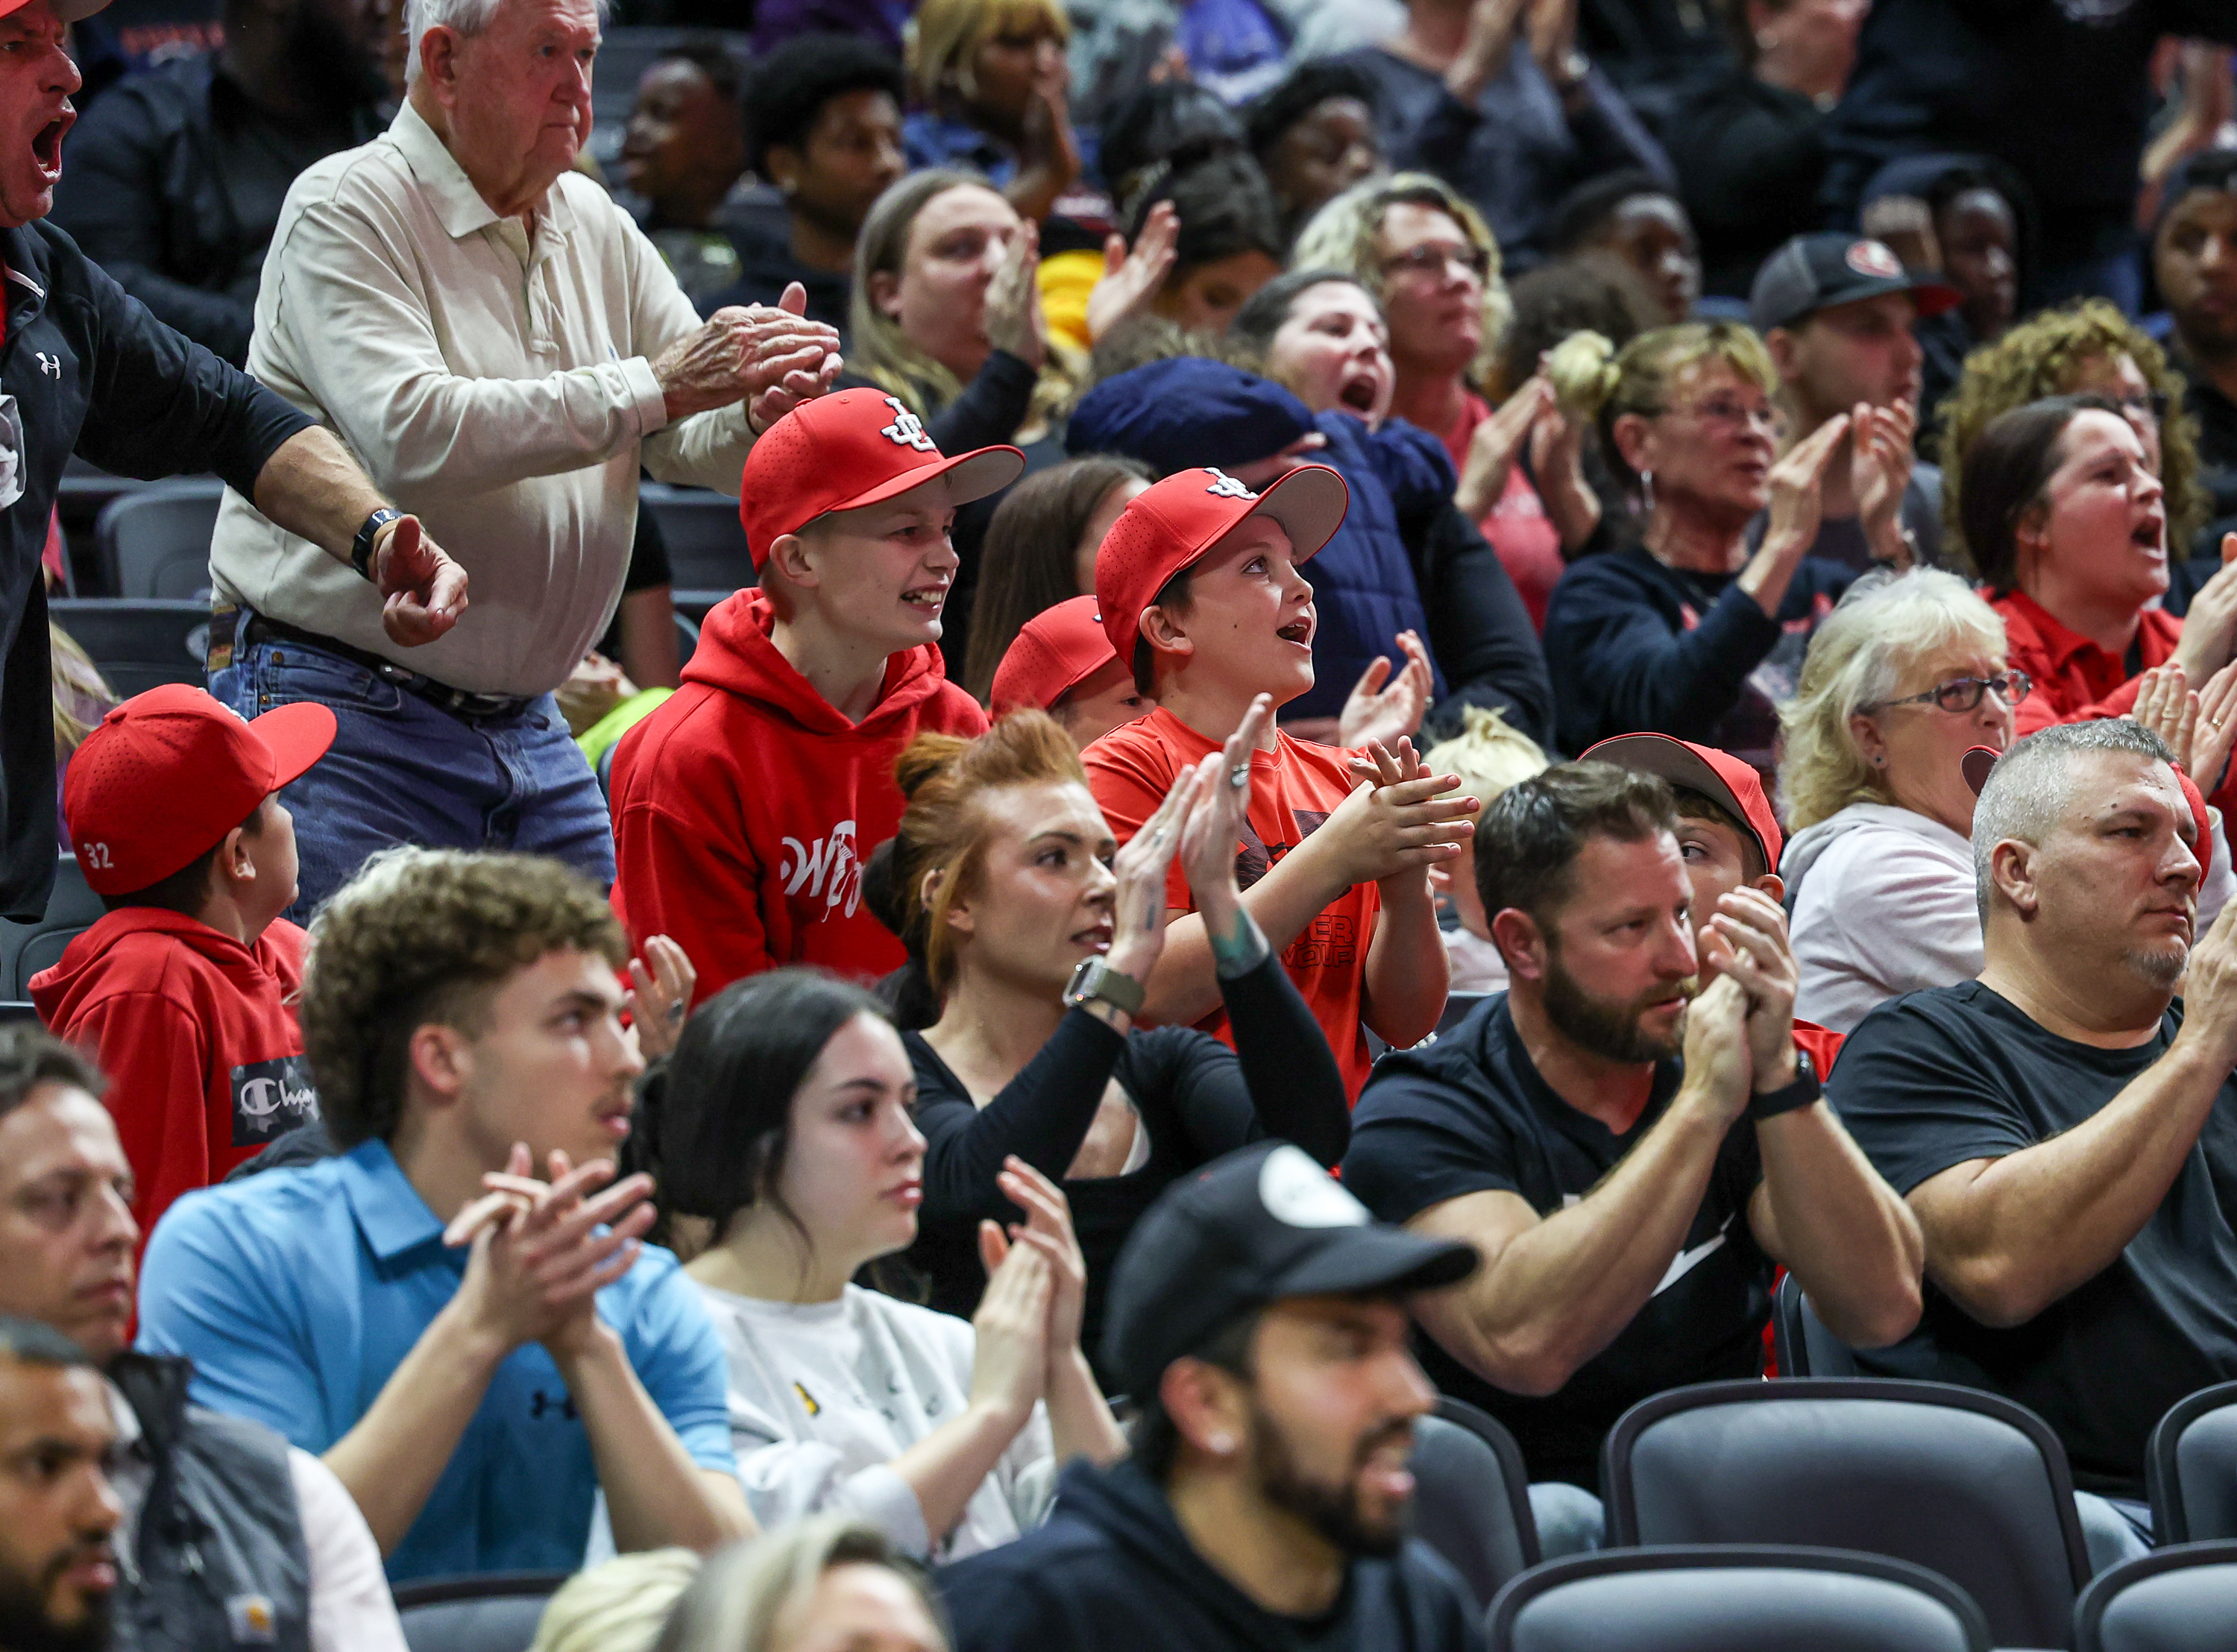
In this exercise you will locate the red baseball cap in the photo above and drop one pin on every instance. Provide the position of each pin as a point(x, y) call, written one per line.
point(169, 772)
point(842, 452)
point(1716, 775)
point(1171, 524)
point(1059, 648)
point(1979, 759)
point(66, 11)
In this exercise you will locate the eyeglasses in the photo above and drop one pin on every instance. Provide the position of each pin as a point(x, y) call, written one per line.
point(2155, 402)
point(1728, 410)
point(1962, 694)
point(1434, 257)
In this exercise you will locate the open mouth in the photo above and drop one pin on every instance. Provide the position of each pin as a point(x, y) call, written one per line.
point(1357, 393)
point(928, 598)
point(1299, 631)
point(1097, 937)
point(2150, 534)
point(47, 145)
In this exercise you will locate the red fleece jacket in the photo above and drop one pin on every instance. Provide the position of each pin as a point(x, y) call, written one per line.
point(197, 1034)
point(744, 806)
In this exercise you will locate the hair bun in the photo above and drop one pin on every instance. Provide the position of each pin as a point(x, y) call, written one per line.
point(1582, 370)
point(927, 755)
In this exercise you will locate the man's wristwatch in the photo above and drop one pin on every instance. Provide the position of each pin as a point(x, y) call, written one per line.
point(1804, 1090)
point(361, 547)
point(1096, 982)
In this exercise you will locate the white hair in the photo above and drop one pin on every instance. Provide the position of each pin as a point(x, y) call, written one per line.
point(2032, 787)
point(466, 17)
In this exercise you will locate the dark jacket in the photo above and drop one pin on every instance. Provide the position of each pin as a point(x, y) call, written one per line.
point(1112, 1571)
point(766, 267)
point(1516, 151)
point(218, 1558)
point(2056, 89)
point(92, 373)
point(173, 187)
point(1750, 159)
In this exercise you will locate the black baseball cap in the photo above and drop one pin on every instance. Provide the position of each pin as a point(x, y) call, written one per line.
point(1811, 273)
point(1262, 1223)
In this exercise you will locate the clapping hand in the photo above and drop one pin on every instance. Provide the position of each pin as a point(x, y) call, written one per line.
point(1880, 474)
point(1139, 904)
point(1746, 939)
point(538, 1259)
point(1384, 708)
point(1047, 1228)
point(1131, 279)
point(1013, 298)
point(659, 996)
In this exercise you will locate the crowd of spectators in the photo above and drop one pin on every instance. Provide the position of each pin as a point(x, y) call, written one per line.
point(1413, 689)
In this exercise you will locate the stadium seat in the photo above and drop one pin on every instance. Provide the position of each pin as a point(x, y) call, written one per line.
point(1956, 1479)
point(1472, 1496)
point(695, 605)
point(25, 949)
point(138, 644)
point(13, 1011)
point(2177, 1599)
point(687, 639)
point(496, 1613)
point(2190, 1468)
point(706, 542)
point(1734, 1599)
point(154, 541)
point(1805, 1347)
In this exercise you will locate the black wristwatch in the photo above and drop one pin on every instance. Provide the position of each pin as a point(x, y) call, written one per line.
point(1802, 1090)
point(1095, 981)
point(361, 547)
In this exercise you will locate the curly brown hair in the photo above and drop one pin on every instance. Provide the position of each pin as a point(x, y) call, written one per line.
point(2046, 355)
point(422, 935)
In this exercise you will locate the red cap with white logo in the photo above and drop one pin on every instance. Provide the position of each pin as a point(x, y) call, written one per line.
point(842, 452)
point(1173, 524)
point(166, 775)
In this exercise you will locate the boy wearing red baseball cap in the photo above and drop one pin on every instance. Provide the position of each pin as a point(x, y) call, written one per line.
point(1201, 593)
point(183, 991)
point(1728, 833)
point(743, 806)
point(1061, 663)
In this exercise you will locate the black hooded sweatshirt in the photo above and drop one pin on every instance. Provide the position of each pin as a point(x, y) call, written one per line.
point(1111, 1572)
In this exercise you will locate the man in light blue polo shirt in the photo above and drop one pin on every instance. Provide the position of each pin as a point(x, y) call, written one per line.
point(473, 1390)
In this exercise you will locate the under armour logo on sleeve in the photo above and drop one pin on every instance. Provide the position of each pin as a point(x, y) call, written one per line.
point(906, 430)
point(1225, 485)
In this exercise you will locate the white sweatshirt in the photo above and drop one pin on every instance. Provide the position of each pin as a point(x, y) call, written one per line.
point(825, 1395)
point(1888, 905)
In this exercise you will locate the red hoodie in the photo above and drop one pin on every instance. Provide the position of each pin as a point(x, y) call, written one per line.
point(744, 804)
point(198, 1036)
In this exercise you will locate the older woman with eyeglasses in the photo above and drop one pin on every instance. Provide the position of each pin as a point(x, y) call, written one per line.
point(1688, 632)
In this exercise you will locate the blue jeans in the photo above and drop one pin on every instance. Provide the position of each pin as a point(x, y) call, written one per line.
point(401, 771)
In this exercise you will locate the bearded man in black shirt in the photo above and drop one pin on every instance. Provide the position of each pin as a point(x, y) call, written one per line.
point(2064, 1126)
point(1630, 1151)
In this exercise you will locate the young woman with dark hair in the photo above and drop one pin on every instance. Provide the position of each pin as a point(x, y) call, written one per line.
point(782, 1123)
point(1036, 936)
point(1040, 550)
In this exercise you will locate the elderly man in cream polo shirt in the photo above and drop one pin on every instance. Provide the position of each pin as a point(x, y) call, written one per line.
point(502, 349)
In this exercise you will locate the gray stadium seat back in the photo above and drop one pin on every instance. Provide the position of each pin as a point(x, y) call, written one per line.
point(1964, 1483)
point(25, 949)
point(493, 1614)
point(1737, 1599)
point(2179, 1599)
point(1807, 1347)
point(154, 542)
point(1472, 1497)
point(706, 542)
point(138, 644)
point(2191, 1467)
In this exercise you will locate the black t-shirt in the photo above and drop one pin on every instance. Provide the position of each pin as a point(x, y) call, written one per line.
point(1939, 1078)
point(1470, 1113)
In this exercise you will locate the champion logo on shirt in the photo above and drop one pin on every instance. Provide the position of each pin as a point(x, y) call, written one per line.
point(270, 1098)
point(906, 430)
point(827, 869)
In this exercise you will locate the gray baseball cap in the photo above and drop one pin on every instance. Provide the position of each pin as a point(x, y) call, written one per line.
point(1811, 273)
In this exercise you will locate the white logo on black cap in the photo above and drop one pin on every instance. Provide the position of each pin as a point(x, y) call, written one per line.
point(906, 430)
point(1227, 488)
point(1296, 1191)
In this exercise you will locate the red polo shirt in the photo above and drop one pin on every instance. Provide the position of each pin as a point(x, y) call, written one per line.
point(2075, 679)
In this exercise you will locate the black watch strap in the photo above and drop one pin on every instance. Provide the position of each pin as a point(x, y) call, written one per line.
point(361, 547)
point(1805, 1089)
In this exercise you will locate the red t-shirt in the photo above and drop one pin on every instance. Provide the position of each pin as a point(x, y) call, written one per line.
point(1528, 544)
point(1293, 789)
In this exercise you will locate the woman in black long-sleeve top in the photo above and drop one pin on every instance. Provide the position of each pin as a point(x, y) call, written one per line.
point(1014, 886)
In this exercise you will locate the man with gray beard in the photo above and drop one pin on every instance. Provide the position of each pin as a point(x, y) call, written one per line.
point(1630, 1150)
point(2064, 1127)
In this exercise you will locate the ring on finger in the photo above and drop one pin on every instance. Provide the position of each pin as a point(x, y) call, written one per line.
point(1239, 775)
